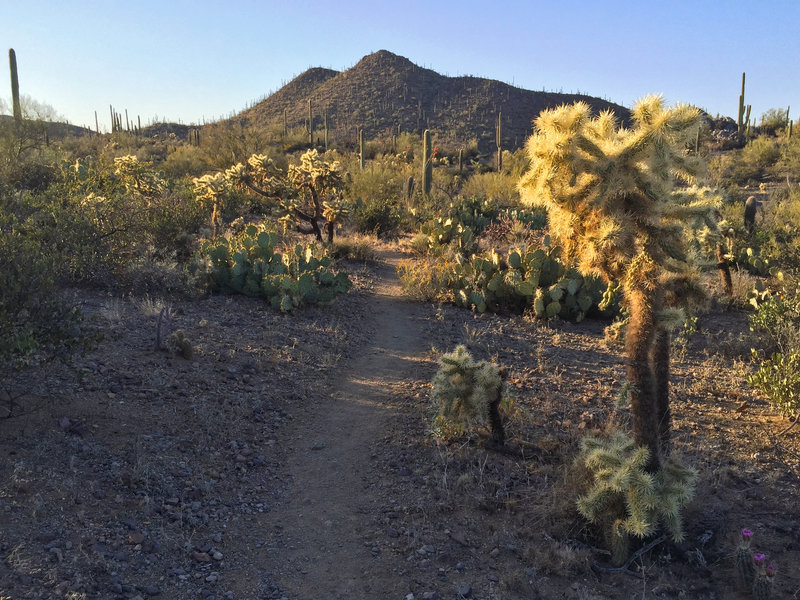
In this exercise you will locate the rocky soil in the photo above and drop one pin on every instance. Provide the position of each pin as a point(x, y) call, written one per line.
point(289, 458)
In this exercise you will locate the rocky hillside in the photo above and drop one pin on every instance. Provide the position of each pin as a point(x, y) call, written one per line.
point(384, 91)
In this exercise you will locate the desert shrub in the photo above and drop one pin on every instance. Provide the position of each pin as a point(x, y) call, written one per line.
point(39, 322)
point(355, 246)
point(252, 263)
point(185, 160)
point(500, 188)
point(773, 122)
point(625, 499)
point(466, 393)
point(777, 321)
point(381, 217)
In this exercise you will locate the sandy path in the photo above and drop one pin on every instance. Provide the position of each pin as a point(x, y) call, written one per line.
point(315, 537)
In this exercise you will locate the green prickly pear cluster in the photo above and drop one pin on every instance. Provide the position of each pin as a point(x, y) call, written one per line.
point(442, 232)
point(526, 277)
point(252, 264)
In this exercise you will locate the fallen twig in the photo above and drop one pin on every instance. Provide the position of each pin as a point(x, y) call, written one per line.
point(625, 568)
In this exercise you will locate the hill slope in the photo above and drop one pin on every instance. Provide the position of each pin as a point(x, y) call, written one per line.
point(384, 91)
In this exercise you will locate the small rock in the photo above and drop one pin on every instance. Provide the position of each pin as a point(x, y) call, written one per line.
point(465, 591)
point(460, 566)
point(318, 446)
point(136, 538)
point(201, 556)
point(431, 596)
point(494, 553)
point(152, 590)
point(494, 578)
point(216, 555)
point(409, 597)
point(392, 533)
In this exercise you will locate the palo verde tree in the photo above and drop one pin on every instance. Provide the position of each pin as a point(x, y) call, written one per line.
point(614, 206)
point(307, 196)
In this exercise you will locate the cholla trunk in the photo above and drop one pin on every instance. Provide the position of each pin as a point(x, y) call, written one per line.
point(496, 423)
point(639, 339)
point(659, 361)
point(724, 271)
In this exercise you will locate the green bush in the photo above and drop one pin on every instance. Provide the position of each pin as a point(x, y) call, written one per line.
point(777, 320)
point(381, 217)
point(38, 321)
point(252, 263)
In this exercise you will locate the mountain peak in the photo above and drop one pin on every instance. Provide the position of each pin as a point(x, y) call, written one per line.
point(385, 91)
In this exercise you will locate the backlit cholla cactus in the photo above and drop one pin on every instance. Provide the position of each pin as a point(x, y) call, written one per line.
point(211, 188)
point(138, 177)
point(308, 195)
point(614, 207)
point(467, 393)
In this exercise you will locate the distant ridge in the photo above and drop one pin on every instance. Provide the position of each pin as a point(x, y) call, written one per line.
point(384, 90)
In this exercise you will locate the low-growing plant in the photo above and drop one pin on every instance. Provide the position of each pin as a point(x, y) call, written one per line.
point(252, 263)
point(625, 499)
point(467, 393)
point(380, 217)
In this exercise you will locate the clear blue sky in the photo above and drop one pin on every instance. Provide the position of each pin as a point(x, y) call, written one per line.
point(190, 60)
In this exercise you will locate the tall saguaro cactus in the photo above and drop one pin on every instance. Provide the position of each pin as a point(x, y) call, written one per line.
point(310, 126)
point(361, 148)
point(427, 164)
point(613, 205)
point(740, 123)
point(17, 107)
point(498, 139)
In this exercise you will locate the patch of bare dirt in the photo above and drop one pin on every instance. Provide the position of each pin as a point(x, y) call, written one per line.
point(290, 458)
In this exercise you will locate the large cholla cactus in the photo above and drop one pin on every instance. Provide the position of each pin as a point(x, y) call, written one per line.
point(627, 500)
point(308, 196)
point(467, 393)
point(611, 197)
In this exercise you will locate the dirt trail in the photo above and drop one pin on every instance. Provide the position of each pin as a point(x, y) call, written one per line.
point(314, 539)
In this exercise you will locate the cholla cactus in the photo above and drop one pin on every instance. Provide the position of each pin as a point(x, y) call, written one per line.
point(138, 177)
point(211, 187)
point(626, 499)
point(612, 204)
point(467, 393)
point(745, 569)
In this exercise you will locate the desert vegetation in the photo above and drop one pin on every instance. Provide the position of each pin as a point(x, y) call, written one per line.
point(565, 287)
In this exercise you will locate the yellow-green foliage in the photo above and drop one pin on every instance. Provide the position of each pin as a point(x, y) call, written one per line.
point(609, 190)
point(462, 391)
point(500, 188)
point(625, 496)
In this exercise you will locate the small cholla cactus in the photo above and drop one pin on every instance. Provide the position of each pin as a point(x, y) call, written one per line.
point(762, 582)
point(745, 567)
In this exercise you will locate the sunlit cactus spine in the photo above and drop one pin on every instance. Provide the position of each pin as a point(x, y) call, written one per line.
point(745, 568)
point(427, 164)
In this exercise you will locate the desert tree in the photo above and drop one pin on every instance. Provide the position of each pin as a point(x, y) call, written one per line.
point(616, 207)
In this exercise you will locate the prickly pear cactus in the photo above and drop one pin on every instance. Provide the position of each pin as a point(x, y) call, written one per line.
point(253, 264)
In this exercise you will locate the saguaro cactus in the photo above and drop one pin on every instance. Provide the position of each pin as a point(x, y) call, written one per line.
point(498, 139)
point(17, 107)
point(740, 121)
point(361, 148)
point(427, 164)
point(310, 126)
